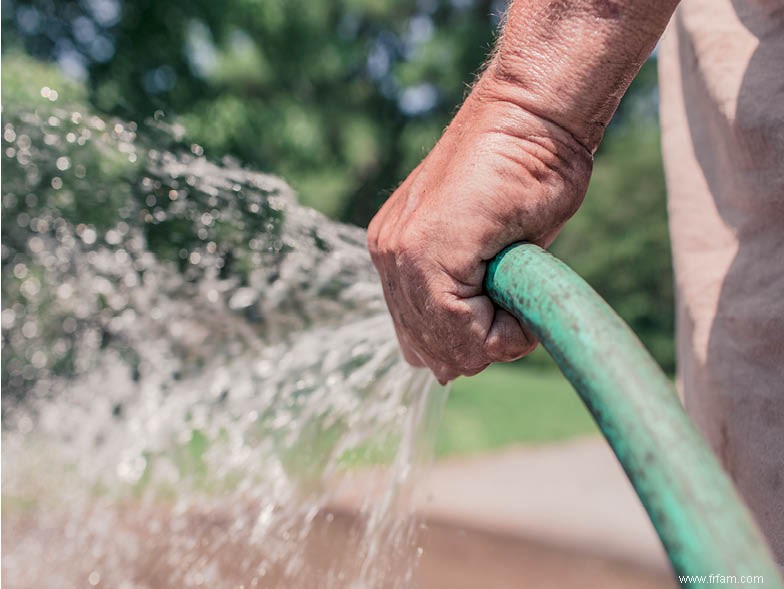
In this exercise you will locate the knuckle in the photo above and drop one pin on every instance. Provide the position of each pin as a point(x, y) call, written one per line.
point(373, 236)
point(502, 351)
point(458, 316)
point(409, 244)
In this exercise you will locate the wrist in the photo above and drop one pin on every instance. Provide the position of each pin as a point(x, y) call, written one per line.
point(571, 64)
point(498, 109)
point(532, 94)
point(544, 169)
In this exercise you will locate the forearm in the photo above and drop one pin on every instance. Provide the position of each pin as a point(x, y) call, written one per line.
point(570, 61)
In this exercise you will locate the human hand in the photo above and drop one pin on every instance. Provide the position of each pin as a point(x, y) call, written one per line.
point(499, 174)
point(513, 165)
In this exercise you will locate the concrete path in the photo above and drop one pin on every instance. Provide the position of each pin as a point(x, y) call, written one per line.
point(573, 495)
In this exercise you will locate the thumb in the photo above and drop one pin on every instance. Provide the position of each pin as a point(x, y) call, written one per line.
point(507, 339)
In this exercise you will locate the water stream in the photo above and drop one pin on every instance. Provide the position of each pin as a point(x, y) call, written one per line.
point(194, 369)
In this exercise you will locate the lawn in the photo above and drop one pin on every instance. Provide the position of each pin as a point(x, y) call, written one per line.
point(523, 402)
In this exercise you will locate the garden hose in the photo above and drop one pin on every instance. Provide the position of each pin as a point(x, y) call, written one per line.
point(703, 524)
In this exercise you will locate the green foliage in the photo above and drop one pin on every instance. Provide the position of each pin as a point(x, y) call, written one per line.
point(23, 79)
point(343, 99)
point(321, 93)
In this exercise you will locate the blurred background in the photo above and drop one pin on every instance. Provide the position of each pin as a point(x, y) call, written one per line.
point(342, 99)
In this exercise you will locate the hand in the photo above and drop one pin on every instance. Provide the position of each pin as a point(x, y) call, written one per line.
point(500, 174)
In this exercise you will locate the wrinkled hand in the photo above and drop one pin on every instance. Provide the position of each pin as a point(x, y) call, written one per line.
point(499, 174)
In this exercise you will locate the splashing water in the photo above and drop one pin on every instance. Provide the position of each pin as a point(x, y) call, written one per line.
point(193, 366)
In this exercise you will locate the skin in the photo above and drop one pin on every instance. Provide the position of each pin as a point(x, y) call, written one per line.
point(513, 165)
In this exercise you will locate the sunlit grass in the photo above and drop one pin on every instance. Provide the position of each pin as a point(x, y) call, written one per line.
point(527, 402)
point(511, 404)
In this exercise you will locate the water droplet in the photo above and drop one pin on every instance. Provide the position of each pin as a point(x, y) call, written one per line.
point(38, 359)
point(30, 329)
point(89, 235)
point(25, 424)
point(113, 237)
point(20, 271)
point(131, 468)
point(8, 318)
point(242, 298)
point(97, 123)
point(30, 287)
point(64, 291)
point(36, 244)
point(69, 325)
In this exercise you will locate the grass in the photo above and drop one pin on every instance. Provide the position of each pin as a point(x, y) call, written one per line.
point(524, 402)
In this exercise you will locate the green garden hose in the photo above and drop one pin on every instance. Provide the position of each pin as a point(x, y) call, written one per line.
point(703, 525)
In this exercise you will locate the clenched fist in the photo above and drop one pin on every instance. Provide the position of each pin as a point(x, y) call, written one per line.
point(499, 174)
point(513, 165)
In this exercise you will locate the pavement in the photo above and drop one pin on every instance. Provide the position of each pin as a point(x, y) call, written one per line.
point(572, 495)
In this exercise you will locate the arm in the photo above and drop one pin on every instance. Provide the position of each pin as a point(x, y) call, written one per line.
point(572, 61)
point(513, 165)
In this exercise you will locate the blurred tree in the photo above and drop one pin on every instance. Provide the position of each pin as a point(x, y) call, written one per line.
point(343, 98)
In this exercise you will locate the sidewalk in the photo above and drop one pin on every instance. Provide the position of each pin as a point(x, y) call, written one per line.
point(572, 495)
